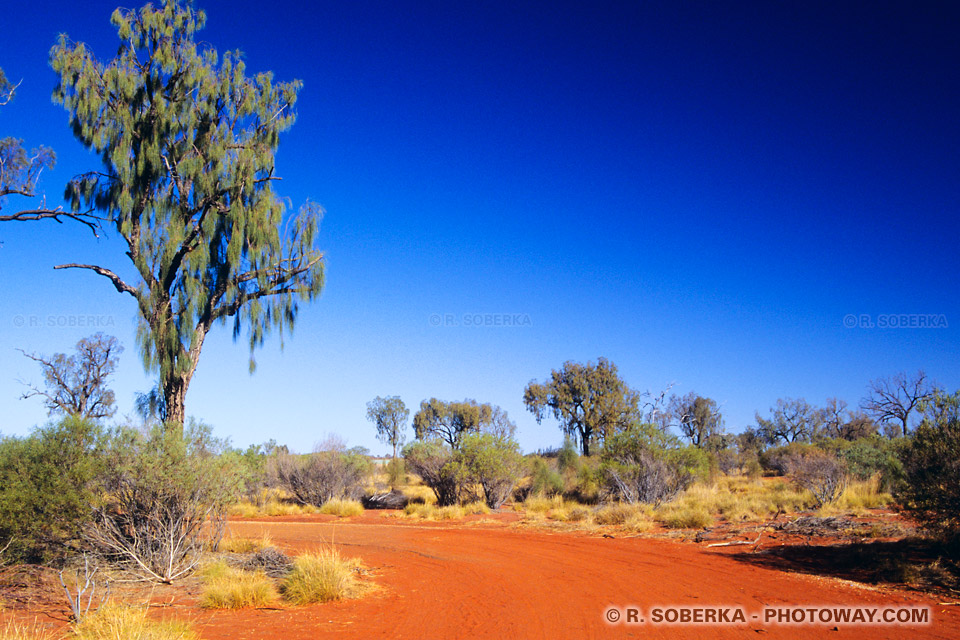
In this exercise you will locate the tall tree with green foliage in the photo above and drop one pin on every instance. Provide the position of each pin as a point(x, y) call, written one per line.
point(590, 401)
point(450, 421)
point(390, 417)
point(698, 418)
point(187, 143)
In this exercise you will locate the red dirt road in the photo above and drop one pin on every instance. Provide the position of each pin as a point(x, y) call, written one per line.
point(494, 581)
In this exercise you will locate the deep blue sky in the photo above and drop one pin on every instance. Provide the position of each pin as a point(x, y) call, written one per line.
point(700, 193)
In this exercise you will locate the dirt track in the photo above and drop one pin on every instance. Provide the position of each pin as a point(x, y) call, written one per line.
point(494, 581)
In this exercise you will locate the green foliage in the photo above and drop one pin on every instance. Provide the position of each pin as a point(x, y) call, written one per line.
point(931, 465)
point(46, 488)
point(590, 401)
point(396, 470)
point(163, 496)
point(544, 481)
point(792, 420)
point(492, 462)
point(77, 384)
point(642, 464)
point(697, 417)
point(568, 461)
point(450, 421)
point(390, 417)
point(187, 143)
point(432, 461)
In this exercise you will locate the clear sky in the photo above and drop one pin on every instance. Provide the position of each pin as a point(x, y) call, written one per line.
point(700, 192)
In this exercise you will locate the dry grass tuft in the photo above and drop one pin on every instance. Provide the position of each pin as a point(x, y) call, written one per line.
point(229, 588)
point(342, 508)
point(322, 576)
point(232, 544)
point(13, 630)
point(125, 622)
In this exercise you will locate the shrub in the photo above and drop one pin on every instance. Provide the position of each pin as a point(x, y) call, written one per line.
point(568, 460)
point(112, 622)
point(686, 517)
point(163, 499)
point(493, 462)
point(396, 472)
point(636, 468)
point(324, 475)
point(320, 577)
point(544, 481)
point(821, 474)
point(46, 488)
point(229, 588)
point(931, 465)
point(433, 462)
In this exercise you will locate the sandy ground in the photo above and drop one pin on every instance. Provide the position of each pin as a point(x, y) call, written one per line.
point(492, 579)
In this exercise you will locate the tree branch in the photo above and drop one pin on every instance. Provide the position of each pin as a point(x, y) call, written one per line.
point(54, 214)
point(118, 283)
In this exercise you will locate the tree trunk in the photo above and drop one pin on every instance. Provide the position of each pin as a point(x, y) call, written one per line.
point(585, 443)
point(174, 398)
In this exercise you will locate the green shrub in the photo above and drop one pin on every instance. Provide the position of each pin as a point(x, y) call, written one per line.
point(568, 460)
point(396, 471)
point(433, 461)
point(46, 488)
point(493, 462)
point(643, 465)
point(163, 496)
point(545, 481)
point(931, 465)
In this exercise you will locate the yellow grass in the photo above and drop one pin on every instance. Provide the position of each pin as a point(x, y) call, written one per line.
point(320, 577)
point(420, 493)
point(124, 622)
point(858, 497)
point(342, 508)
point(233, 544)
point(13, 630)
point(228, 588)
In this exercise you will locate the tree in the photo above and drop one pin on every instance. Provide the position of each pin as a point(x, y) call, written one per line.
point(77, 384)
point(390, 417)
point(697, 417)
point(838, 422)
point(590, 401)
point(891, 400)
point(187, 144)
point(20, 172)
point(450, 421)
point(791, 421)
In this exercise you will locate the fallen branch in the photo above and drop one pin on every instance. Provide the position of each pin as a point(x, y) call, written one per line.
point(734, 543)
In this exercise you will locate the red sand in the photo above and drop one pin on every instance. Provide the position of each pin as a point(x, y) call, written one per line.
point(491, 581)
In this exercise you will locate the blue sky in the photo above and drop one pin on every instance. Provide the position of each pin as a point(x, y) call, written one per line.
point(700, 193)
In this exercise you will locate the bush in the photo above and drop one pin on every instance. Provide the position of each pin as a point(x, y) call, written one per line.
point(321, 577)
point(636, 468)
point(46, 489)
point(821, 474)
point(162, 500)
point(324, 475)
point(568, 460)
point(432, 461)
point(544, 481)
point(396, 472)
point(493, 462)
point(931, 466)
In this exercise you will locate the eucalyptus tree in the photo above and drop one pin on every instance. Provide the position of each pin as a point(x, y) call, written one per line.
point(390, 416)
point(187, 143)
point(590, 401)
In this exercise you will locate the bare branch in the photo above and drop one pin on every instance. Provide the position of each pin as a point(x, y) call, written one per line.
point(52, 214)
point(119, 284)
